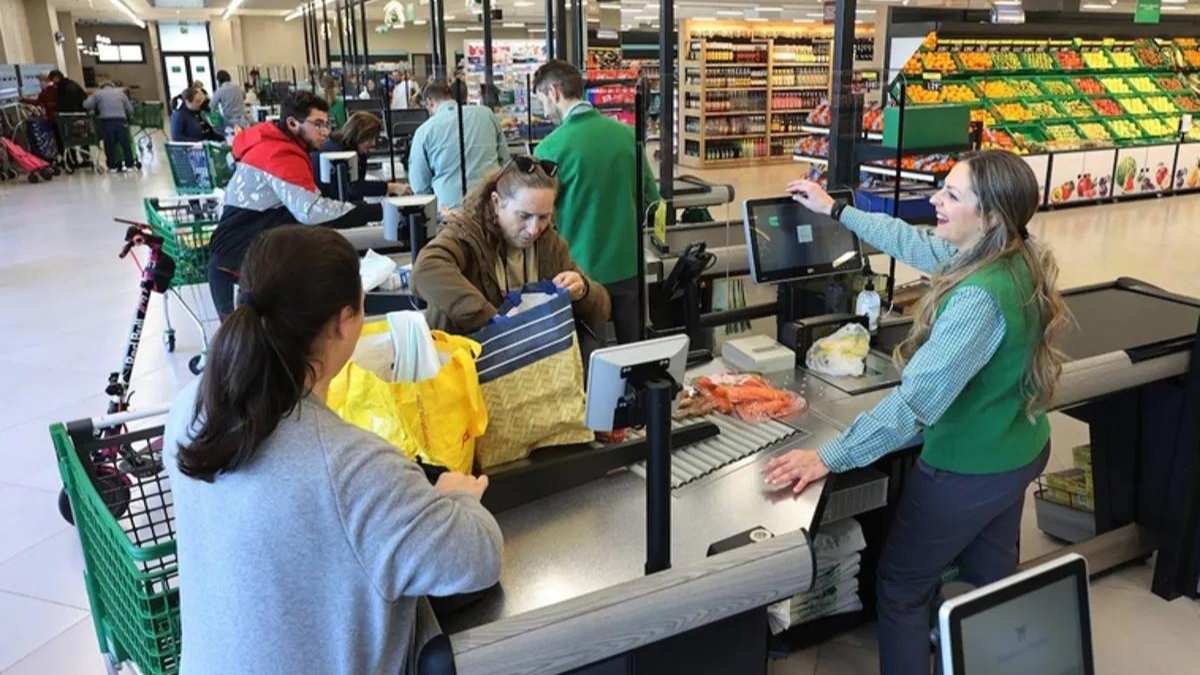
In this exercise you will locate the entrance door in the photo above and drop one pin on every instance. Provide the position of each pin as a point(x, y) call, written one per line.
point(182, 70)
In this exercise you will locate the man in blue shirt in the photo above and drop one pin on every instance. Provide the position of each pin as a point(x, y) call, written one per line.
point(434, 166)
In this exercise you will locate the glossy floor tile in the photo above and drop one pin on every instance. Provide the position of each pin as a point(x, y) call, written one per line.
point(67, 301)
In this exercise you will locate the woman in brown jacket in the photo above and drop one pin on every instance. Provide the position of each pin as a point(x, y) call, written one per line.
point(500, 240)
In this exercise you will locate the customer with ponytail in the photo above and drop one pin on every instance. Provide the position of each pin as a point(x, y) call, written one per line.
point(979, 370)
point(306, 544)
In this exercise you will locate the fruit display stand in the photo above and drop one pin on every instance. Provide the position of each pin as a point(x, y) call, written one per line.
point(746, 89)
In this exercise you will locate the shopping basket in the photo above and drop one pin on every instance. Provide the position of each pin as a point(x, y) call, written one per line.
point(199, 168)
point(186, 224)
point(125, 524)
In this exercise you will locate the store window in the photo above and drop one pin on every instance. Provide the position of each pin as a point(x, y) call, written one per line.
point(126, 52)
point(183, 36)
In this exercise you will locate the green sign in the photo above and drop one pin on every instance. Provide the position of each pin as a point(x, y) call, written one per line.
point(1147, 11)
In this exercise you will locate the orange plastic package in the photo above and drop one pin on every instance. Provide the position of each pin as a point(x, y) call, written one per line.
point(750, 397)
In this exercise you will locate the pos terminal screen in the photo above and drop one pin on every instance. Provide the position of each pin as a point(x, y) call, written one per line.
point(787, 241)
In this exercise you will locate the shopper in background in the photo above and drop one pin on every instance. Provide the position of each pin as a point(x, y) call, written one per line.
point(499, 241)
point(250, 97)
point(360, 134)
point(274, 185)
point(70, 95)
point(47, 98)
point(979, 370)
point(113, 108)
point(230, 102)
point(596, 210)
point(434, 166)
point(404, 90)
point(307, 544)
point(337, 107)
point(188, 124)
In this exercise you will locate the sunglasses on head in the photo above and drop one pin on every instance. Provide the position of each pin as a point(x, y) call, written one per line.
point(527, 164)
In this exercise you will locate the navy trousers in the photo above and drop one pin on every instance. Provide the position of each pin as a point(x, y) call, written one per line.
point(117, 150)
point(943, 518)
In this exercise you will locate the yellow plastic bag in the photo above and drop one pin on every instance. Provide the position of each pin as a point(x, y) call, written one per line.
point(435, 420)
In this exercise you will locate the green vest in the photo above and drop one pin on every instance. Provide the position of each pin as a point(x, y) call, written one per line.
point(594, 210)
point(986, 429)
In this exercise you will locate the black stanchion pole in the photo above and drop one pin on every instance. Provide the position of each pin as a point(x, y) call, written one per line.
point(489, 77)
point(656, 401)
point(666, 116)
point(549, 29)
point(325, 26)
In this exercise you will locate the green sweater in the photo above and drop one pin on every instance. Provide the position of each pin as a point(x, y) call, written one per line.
point(986, 429)
point(595, 208)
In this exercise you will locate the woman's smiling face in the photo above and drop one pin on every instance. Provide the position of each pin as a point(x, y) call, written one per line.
point(957, 206)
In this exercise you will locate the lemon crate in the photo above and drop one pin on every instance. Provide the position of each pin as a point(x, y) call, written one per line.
point(1123, 138)
point(125, 522)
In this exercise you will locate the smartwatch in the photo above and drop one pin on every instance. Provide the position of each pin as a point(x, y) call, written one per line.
point(839, 205)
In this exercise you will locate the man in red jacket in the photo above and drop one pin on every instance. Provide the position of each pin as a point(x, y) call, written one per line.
point(274, 185)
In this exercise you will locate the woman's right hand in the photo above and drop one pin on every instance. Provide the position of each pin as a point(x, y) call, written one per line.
point(811, 195)
point(453, 481)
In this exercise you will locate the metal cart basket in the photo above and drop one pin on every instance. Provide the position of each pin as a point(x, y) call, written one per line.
point(186, 224)
point(80, 141)
point(125, 523)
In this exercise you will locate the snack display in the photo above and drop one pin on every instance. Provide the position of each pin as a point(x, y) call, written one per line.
point(1135, 106)
point(1107, 107)
point(1089, 86)
point(1068, 59)
point(1013, 112)
point(1161, 104)
point(1124, 129)
point(1097, 60)
point(1094, 131)
point(1115, 85)
point(1057, 88)
point(939, 163)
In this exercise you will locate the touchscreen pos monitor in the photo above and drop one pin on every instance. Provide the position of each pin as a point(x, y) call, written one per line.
point(786, 241)
point(1035, 621)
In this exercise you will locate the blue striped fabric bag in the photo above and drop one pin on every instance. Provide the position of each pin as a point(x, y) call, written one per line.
point(531, 374)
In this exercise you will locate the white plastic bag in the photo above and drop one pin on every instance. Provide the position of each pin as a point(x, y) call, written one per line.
point(417, 357)
point(842, 354)
point(375, 269)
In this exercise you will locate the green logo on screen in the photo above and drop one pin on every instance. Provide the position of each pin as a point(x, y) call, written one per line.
point(773, 221)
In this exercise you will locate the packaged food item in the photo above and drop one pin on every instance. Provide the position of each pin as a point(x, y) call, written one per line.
point(750, 397)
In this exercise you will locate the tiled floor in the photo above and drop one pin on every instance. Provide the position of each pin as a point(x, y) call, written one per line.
point(66, 303)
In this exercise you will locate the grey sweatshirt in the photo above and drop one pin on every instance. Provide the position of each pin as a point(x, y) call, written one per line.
point(110, 103)
point(311, 557)
point(230, 101)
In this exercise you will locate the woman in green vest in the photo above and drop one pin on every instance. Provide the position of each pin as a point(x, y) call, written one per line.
point(978, 372)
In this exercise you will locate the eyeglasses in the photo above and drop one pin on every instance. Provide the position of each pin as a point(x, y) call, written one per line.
point(527, 164)
point(320, 125)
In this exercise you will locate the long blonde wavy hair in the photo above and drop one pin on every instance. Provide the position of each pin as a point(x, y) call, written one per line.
point(1007, 191)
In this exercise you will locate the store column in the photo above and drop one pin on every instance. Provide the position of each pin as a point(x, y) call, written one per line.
point(42, 22)
point(842, 124)
point(73, 66)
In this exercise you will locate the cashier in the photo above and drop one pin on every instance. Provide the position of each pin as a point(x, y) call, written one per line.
point(307, 544)
point(501, 239)
point(978, 371)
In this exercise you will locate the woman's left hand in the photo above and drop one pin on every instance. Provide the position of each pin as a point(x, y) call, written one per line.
point(803, 467)
point(573, 283)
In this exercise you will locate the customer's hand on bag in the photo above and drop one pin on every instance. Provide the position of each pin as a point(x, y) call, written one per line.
point(453, 481)
point(572, 282)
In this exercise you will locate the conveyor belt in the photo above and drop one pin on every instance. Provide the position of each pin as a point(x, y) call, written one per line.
point(737, 440)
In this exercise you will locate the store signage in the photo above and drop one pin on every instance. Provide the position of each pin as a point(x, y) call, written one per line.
point(1147, 11)
point(933, 81)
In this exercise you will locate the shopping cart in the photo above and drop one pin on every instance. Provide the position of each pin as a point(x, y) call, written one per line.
point(186, 224)
point(125, 522)
point(80, 141)
point(147, 120)
point(199, 168)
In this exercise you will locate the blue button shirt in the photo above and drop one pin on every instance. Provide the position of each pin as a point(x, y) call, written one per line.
point(961, 341)
point(433, 164)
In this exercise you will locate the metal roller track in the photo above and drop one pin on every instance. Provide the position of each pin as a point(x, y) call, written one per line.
point(738, 440)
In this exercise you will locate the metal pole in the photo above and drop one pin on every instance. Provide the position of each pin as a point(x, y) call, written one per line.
point(639, 230)
point(307, 37)
point(362, 12)
point(460, 96)
point(446, 71)
point(549, 29)
point(657, 405)
point(337, 11)
point(352, 38)
point(842, 124)
point(579, 38)
point(434, 19)
point(325, 26)
point(560, 21)
point(489, 77)
point(666, 57)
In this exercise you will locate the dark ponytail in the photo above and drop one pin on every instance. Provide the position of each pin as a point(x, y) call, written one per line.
point(294, 281)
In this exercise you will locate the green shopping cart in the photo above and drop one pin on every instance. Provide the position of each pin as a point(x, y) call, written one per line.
point(186, 225)
point(125, 524)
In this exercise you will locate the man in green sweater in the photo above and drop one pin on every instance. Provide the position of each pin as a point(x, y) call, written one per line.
point(595, 210)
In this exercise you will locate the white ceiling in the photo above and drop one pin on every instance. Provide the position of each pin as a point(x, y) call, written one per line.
point(641, 13)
